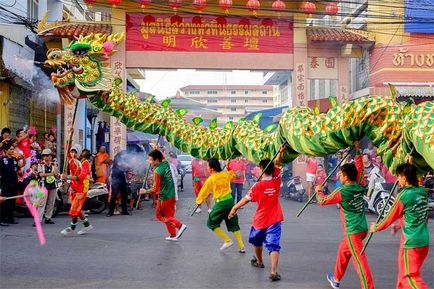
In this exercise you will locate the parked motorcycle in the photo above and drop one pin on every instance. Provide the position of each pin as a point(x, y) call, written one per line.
point(96, 200)
point(377, 193)
point(429, 185)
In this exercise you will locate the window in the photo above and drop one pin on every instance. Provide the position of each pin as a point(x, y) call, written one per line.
point(212, 92)
point(321, 88)
point(246, 100)
point(233, 92)
point(264, 101)
point(212, 100)
point(231, 117)
point(233, 100)
point(233, 109)
point(264, 92)
point(195, 92)
point(246, 92)
point(32, 9)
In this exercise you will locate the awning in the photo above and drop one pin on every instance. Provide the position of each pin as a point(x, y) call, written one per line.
point(18, 61)
point(140, 137)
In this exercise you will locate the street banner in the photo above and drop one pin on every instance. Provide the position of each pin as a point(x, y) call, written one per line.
point(168, 32)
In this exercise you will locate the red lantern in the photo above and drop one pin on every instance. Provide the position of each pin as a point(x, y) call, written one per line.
point(278, 5)
point(89, 2)
point(225, 5)
point(199, 4)
point(309, 7)
point(175, 4)
point(332, 8)
point(114, 2)
point(253, 5)
point(144, 3)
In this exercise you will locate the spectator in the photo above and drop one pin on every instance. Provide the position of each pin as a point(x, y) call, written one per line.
point(385, 171)
point(368, 166)
point(44, 142)
point(48, 172)
point(35, 149)
point(9, 167)
point(237, 165)
point(371, 151)
point(199, 174)
point(311, 167)
point(119, 184)
point(24, 146)
point(102, 162)
point(320, 176)
point(51, 143)
point(177, 164)
point(4, 137)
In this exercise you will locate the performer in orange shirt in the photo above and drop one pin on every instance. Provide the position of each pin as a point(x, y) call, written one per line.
point(80, 179)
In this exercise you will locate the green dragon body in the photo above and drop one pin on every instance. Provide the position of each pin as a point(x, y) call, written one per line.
point(396, 129)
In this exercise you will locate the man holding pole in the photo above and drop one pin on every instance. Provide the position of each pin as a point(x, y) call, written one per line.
point(219, 184)
point(164, 186)
point(266, 227)
point(80, 178)
point(411, 208)
point(354, 225)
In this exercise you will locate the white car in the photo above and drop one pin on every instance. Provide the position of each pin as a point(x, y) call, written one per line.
point(185, 161)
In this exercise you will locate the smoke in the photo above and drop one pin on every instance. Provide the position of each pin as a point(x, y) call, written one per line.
point(135, 161)
point(44, 88)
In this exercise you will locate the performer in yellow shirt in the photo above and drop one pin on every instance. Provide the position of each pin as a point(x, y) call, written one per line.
point(219, 184)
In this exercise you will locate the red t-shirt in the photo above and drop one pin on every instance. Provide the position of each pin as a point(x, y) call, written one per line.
point(24, 145)
point(266, 194)
point(239, 167)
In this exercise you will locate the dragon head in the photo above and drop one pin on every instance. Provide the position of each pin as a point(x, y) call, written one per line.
point(82, 68)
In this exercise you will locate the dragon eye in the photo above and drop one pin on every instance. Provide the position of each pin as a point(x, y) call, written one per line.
point(80, 49)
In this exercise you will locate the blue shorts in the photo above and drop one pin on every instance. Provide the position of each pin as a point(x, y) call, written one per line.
point(269, 237)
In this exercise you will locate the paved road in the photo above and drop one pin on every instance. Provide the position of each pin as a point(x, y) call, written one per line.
point(130, 252)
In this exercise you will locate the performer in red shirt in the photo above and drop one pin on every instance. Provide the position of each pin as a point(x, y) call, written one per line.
point(266, 227)
point(80, 179)
point(199, 173)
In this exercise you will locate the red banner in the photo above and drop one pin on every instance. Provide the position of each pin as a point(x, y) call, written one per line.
point(166, 32)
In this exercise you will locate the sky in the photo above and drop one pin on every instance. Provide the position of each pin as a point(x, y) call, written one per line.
point(165, 83)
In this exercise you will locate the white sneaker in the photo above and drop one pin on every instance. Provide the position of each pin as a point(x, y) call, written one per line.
point(226, 245)
point(67, 231)
point(172, 239)
point(198, 210)
point(180, 231)
point(209, 211)
point(84, 230)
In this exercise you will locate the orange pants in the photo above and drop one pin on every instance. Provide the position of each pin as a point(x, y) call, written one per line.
point(77, 200)
point(165, 212)
point(409, 263)
point(349, 247)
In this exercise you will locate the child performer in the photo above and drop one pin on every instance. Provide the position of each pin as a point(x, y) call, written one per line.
point(164, 186)
point(411, 208)
point(80, 178)
point(219, 183)
point(266, 227)
point(199, 173)
point(355, 228)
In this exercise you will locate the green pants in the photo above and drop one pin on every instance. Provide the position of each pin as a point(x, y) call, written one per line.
point(219, 213)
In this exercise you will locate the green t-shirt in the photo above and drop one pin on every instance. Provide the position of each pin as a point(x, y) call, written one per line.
point(353, 208)
point(415, 228)
point(167, 186)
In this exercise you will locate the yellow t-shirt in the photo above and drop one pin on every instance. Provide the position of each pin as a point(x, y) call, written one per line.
point(219, 184)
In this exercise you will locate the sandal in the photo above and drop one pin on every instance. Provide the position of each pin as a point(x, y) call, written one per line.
point(254, 262)
point(274, 277)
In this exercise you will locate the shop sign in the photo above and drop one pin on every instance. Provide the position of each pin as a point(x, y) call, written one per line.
point(408, 59)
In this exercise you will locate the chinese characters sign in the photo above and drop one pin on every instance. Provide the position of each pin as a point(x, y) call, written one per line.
point(300, 84)
point(323, 67)
point(68, 118)
point(161, 32)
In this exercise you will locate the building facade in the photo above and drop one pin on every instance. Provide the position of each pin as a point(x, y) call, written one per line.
point(232, 101)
